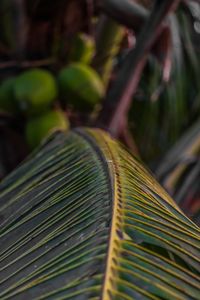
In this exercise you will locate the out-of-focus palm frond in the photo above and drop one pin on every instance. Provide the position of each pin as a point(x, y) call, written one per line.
point(161, 112)
point(83, 219)
point(179, 171)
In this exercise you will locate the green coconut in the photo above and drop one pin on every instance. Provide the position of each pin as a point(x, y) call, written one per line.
point(35, 90)
point(82, 49)
point(80, 86)
point(42, 126)
point(7, 99)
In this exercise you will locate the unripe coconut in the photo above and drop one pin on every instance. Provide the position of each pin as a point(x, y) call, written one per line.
point(80, 86)
point(82, 49)
point(42, 126)
point(7, 99)
point(35, 91)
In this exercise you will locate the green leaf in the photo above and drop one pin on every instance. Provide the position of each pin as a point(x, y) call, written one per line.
point(82, 219)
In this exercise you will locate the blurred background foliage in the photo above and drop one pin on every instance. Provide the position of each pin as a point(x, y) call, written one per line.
point(162, 111)
point(163, 119)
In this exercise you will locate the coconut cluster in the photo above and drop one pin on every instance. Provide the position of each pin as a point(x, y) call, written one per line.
point(43, 98)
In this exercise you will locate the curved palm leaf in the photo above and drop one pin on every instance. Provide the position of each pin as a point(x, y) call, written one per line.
point(83, 219)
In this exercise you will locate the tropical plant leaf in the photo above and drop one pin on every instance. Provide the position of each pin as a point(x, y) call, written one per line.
point(157, 125)
point(179, 171)
point(83, 219)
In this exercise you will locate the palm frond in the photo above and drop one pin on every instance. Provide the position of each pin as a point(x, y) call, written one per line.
point(83, 219)
point(157, 125)
point(179, 172)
